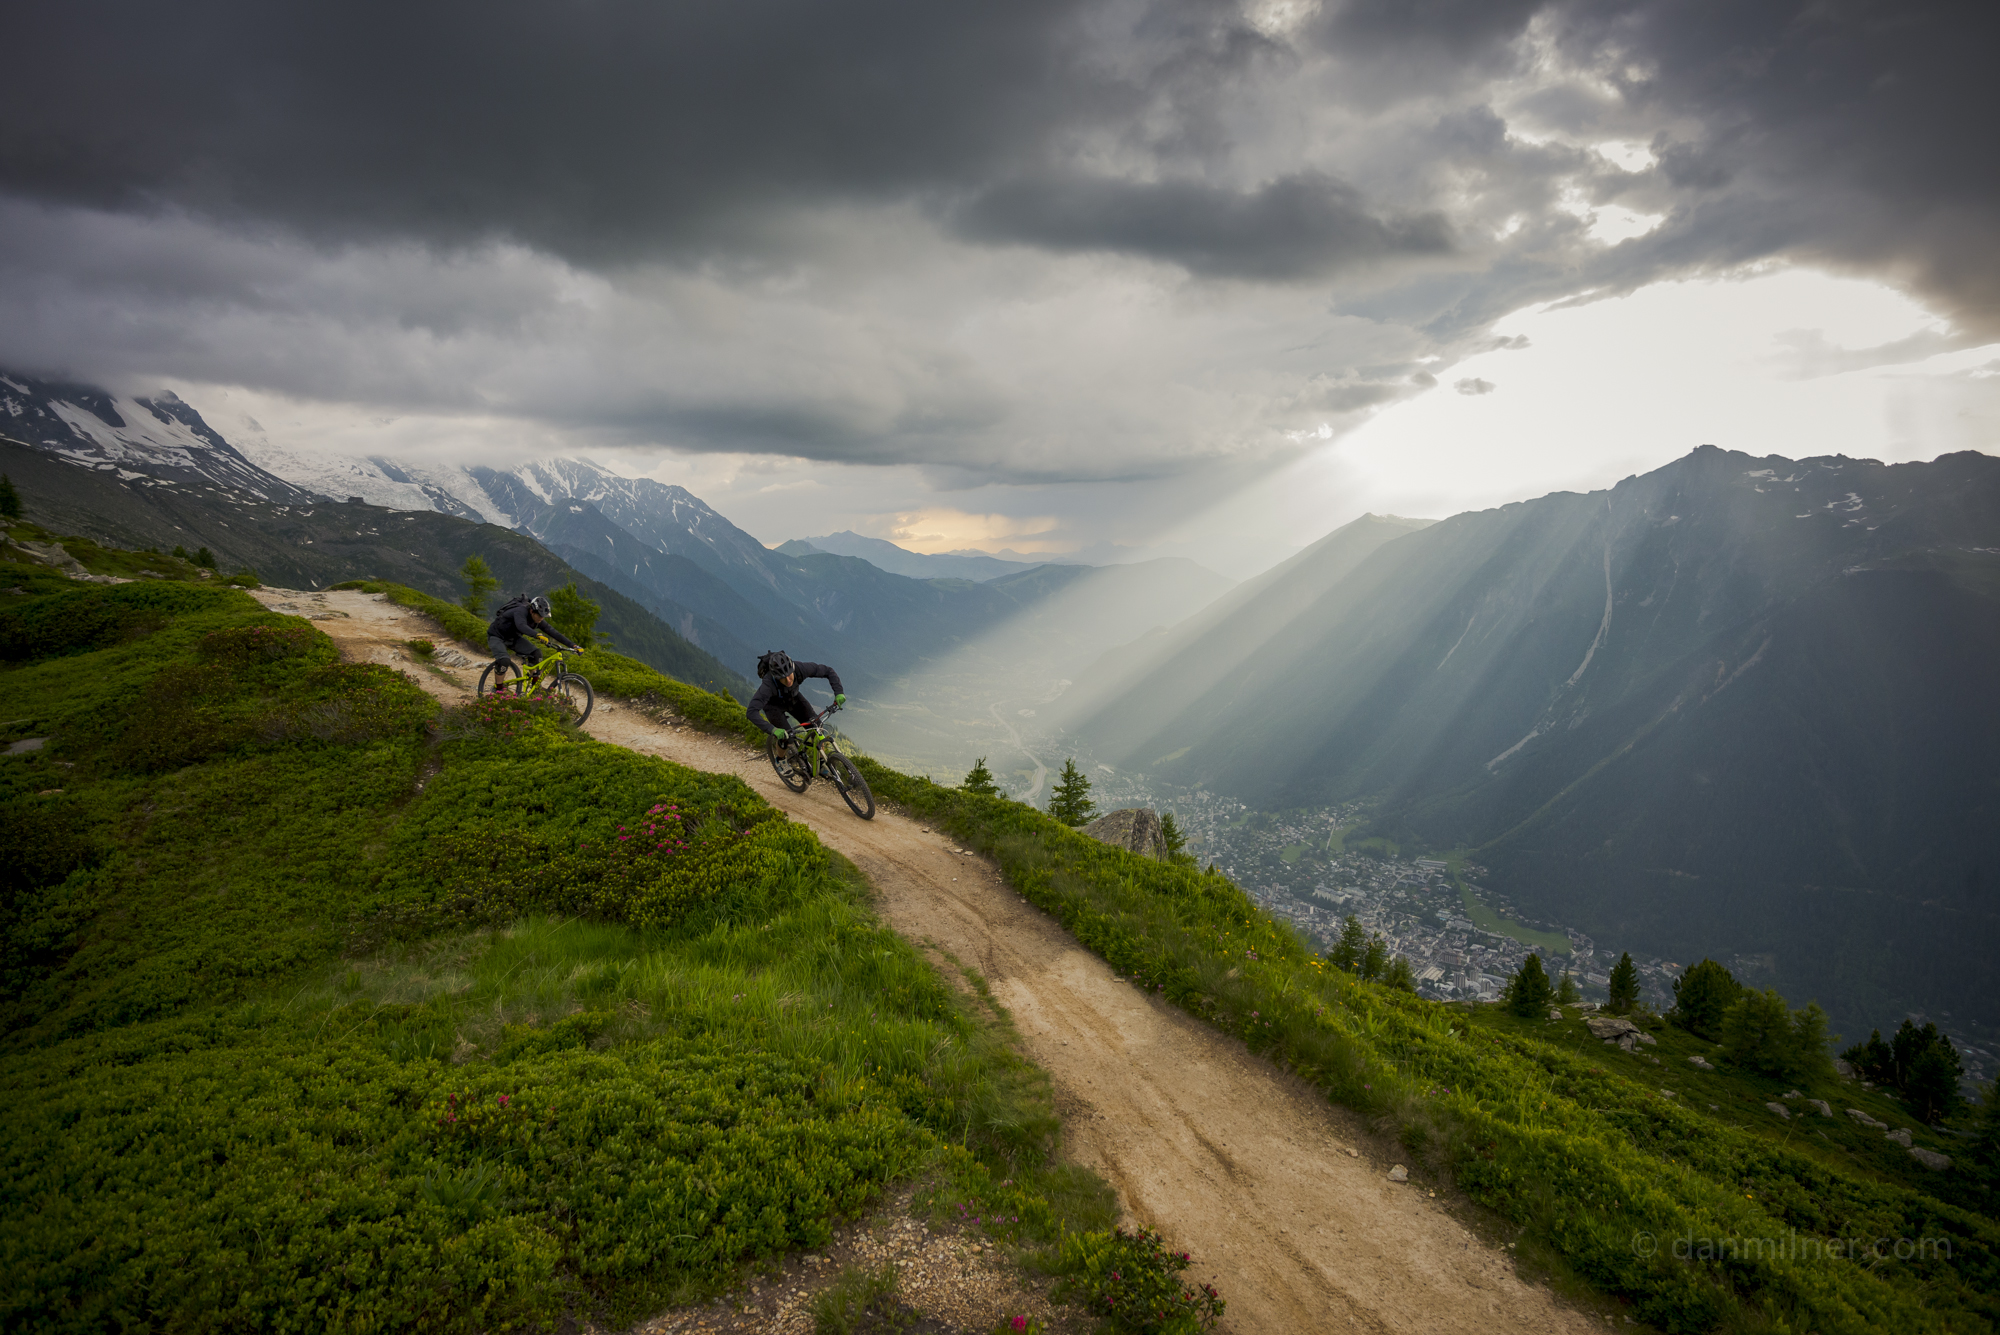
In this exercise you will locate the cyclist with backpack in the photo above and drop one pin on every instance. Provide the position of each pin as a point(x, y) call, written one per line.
point(514, 627)
point(778, 697)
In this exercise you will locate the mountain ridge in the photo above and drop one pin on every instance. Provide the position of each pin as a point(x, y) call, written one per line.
point(1719, 692)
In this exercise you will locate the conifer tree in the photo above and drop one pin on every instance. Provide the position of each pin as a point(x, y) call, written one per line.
point(1070, 802)
point(204, 558)
point(10, 498)
point(1171, 836)
point(573, 614)
point(979, 779)
point(1348, 950)
point(1566, 989)
point(1702, 996)
point(479, 582)
point(1528, 990)
point(180, 551)
point(1400, 975)
point(1375, 960)
point(1624, 986)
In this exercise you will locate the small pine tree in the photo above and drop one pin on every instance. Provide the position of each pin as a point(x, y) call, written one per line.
point(1927, 1069)
point(1176, 842)
point(180, 551)
point(1348, 950)
point(204, 558)
point(1375, 959)
point(573, 614)
point(479, 582)
point(10, 498)
point(1874, 1060)
point(1528, 990)
point(979, 779)
point(1070, 802)
point(1702, 996)
point(1567, 993)
point(1400, 975)
point(1624, 986)
point(1757, 1032)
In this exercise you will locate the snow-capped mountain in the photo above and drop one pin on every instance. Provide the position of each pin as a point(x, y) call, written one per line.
point(160, 440)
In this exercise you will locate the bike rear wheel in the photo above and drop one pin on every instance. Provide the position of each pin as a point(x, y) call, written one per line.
point(574, 694)
point(853, 787)
point(789, 764)
point(498, 677)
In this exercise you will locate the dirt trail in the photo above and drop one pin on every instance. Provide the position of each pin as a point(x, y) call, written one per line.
point(1279, 1196)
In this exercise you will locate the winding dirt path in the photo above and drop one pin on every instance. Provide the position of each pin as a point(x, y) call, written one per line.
point(1280, 1196)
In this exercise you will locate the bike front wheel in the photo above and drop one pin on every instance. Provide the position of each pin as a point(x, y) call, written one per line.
point(853, 787)
point(498, 677)
point(574, 694)
point(790, 765)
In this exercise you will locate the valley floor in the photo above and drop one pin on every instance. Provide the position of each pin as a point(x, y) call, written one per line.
point(1283, 1199)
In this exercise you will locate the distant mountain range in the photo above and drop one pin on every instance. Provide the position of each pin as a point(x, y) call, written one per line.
point(885, 555)
point(1738, 706)
point(659, 546)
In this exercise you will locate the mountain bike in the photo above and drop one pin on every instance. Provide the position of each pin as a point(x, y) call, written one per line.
point(814, 753)
point(549, 679)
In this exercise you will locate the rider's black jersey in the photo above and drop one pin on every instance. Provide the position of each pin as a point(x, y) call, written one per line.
point(514, 622)
point(777, 701)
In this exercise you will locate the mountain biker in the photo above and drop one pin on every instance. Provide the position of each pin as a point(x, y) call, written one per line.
point(778, 693)
point(514, 627)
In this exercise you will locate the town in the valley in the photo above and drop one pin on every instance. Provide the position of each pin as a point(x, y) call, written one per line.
point(1463, 940)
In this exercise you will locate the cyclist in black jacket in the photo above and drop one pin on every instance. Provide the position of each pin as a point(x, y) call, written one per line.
point(778, 694)
point(514, 627)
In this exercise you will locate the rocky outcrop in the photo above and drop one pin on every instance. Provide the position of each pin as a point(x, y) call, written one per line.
point(1780, 1109)
point(1930, 1158)
point(1866, 1120)
point(1136, 829)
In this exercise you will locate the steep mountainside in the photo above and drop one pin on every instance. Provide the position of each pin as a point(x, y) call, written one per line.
point(1735, 706)
point(161, 442)
point(316, 544)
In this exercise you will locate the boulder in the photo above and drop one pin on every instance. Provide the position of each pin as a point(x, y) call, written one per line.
point(1825, 1108)
point(1866, 1120)
point(1609, 1026)
point(1646, 1038)
point(1135, 829)
point(1930, 1158)
point(1780, 1109)
point(1700, 1063)
point(1899, 1135)
point(1554, 1013)
point(1844, 1069)
point(1399, 1174)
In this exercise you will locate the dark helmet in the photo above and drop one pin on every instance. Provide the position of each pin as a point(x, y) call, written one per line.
point(539, 605)
point(775, 664)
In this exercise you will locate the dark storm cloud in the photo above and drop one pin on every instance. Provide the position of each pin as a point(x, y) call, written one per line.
point(594, 129)
point(1862, 127)
point(1296, 227)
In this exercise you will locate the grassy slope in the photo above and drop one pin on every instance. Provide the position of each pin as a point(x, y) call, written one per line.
point(342, 1013)
point(1577, 1144)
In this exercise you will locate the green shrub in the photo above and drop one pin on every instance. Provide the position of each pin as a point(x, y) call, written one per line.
point(1131, 1282)
point(79, 620)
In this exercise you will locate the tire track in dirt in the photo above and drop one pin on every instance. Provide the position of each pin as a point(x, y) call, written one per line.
point(1276, 1193)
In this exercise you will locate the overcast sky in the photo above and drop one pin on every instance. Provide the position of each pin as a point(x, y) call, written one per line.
point(1202, 277)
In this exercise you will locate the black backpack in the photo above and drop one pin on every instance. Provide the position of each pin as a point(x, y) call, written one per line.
point(518, 600)
point(772, 663)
